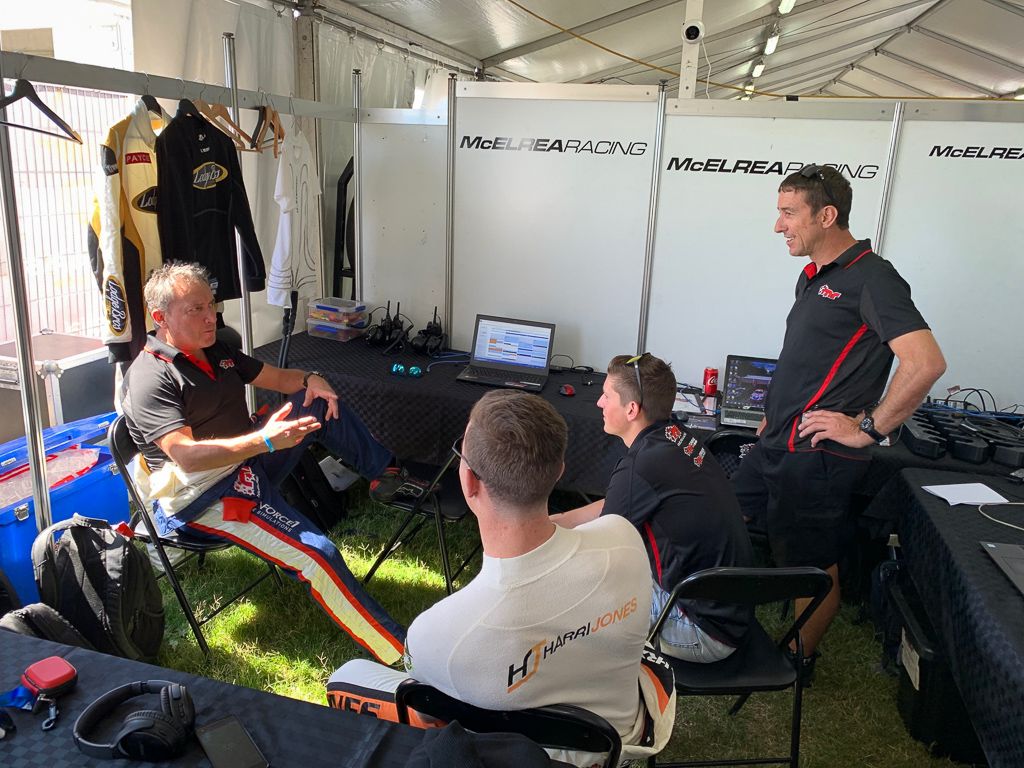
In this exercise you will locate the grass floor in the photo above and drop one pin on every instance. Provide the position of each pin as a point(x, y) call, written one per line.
point(280, 641)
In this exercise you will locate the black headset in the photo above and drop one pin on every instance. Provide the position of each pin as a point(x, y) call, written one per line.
point(148, 734)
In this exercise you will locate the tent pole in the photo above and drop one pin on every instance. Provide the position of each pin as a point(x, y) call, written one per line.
point(23, 329)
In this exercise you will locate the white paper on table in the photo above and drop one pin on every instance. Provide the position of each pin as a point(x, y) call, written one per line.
point(965, 493)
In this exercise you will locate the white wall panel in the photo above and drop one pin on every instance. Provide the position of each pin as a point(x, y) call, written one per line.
point(955, 231)
point(723, 281)
point(403, 216)
point(555, 235)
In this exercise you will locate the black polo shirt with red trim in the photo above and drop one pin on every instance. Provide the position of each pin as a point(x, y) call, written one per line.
point(166, 389)
point(676, 494)
point(835, 355)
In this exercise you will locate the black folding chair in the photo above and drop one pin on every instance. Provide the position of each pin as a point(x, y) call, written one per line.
point(760, 663)
point(556, 726)
point(441, 504)
point(730, 446)
point(123, 450)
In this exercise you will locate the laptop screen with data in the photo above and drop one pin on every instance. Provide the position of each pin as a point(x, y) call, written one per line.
point(502, 341)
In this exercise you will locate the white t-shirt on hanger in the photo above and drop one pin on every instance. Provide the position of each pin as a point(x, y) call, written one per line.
point(295, 263)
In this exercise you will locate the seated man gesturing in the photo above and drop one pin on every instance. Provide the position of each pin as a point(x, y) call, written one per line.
point(210, 472)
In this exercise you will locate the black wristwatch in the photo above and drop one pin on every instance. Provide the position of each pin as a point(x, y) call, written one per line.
point(867, 426)
point(305, 379)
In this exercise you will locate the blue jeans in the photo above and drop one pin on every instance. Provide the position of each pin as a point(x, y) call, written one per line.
point(681, 638)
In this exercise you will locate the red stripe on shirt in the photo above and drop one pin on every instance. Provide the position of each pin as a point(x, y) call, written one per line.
point(860, 255)
point(654, 549)
point(828, 380)
point(158, 356)
point(202, 365)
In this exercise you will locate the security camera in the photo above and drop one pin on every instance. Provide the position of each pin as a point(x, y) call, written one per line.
point(693, 31)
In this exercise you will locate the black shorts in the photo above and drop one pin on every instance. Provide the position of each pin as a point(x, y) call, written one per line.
point(801, 500)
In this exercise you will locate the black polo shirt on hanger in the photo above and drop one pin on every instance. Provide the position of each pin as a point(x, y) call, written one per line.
point(835, 355)
point(165, 390)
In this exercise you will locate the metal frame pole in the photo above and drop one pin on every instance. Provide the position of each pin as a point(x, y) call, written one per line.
point(652, 221)
point(890, 172)
point(449, 208)
point(357, 187)
point(246, 313)
point(23, 336)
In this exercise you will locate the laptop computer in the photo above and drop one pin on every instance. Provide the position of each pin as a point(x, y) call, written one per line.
point(1009, 557)
point(510, 353)
point(744, 390)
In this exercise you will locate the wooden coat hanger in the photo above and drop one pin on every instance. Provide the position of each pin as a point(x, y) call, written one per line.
point(218, 115)
point(23, 89)
point(268, 121)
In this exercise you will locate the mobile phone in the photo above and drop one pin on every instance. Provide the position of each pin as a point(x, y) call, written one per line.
point(229, 745)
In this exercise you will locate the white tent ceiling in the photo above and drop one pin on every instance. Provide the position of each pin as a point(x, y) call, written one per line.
point(885, 48)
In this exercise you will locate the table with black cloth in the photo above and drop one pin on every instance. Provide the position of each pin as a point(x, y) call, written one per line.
point(887, 461)
point(287, 731)
point(977, 613)
point(419, 418)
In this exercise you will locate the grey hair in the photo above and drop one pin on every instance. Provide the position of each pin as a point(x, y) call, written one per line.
point(164, 282)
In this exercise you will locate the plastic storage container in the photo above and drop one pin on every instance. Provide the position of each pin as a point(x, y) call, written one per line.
point(324, 329)
point(338, 311)
point(928, 699)
point(99, 492)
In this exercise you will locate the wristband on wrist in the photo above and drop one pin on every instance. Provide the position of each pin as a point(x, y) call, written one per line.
point(270, 445)
point(305, 377)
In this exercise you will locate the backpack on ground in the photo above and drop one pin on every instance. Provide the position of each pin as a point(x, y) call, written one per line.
point(8, 597)
point(102, 584)
point(40, 620)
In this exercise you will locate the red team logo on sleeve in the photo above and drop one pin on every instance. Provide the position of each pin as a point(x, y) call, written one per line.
point(228, 363)
point(673, 433)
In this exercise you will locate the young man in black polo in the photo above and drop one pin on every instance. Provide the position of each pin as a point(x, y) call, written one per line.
point(677, 496)
point(824, 408)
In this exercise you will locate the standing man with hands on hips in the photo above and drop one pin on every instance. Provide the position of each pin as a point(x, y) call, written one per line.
point(852, 314)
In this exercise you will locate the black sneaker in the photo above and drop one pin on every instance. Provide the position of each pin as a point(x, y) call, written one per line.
point(396, 484)
point(806, 668)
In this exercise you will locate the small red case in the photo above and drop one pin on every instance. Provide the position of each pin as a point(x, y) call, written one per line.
point(51, 677)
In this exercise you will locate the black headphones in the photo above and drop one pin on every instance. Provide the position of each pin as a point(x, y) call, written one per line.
point(144, 735)
point(431, 340)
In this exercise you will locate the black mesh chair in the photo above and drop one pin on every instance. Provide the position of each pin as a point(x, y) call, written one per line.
point(557, 726)
point(730, 447)
point(123, 450)
point(761, 663)
point(441, 505)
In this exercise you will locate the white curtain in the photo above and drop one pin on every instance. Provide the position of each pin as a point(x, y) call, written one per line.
point(389, 80)
point(183, 38)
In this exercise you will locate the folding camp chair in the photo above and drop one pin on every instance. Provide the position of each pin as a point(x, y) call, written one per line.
point(760, 663)
point(557, 726)
point(123, 449)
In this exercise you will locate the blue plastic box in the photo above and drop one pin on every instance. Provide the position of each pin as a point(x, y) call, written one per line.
point(100, 492)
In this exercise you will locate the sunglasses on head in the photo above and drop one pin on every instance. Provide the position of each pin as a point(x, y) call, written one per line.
point(813, 171)
point(634, 362)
